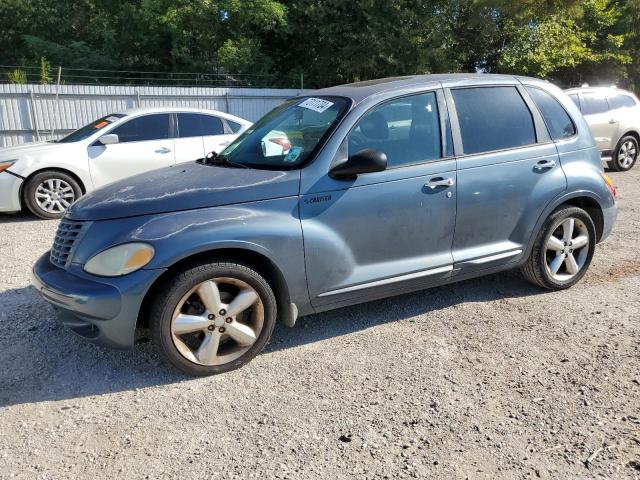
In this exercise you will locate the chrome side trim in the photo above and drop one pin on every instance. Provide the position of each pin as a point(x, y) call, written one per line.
point(388, 281)
point(491, 258)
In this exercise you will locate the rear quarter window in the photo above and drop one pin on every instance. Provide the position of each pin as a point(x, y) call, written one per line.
point(558, 121)
point(234, 126)
point(493, 118)
point(620, 100)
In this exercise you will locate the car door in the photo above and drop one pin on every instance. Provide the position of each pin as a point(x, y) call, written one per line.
point(144, 144)
point(216, 133)
point(624, 110)
point(601, 120)
point(507, 169)
point(387, 231)
point(189, 144)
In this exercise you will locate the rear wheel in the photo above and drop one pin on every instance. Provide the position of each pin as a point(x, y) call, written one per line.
point(626, 154)
point(48, 194)
point(213, 318)
point(563, 250)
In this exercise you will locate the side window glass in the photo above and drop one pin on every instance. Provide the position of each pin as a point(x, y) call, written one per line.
point(493, 118)
point(555, 117)
point(234, 126)
point(620, 100)
point(575, 99)
point(407, 130)
point(141, 129)
point(594, 104)
point(199, 125)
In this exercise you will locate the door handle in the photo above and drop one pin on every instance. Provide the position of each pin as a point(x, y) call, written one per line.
point(613, 121)
point(163, 150)
point(440, 182)
point(544, 165)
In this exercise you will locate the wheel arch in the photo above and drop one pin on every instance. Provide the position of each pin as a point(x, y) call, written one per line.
point(258, 261)
point(586, 200)
point(629, 133)
point(83, 188)
point(593, 209)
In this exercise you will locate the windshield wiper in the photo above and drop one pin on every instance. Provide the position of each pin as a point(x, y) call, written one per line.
point(214, 158)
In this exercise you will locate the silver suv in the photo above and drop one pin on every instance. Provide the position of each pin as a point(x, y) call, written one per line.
point(613, 116)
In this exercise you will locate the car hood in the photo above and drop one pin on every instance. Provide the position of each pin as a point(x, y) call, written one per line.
point(15, 152)
point(184, 187)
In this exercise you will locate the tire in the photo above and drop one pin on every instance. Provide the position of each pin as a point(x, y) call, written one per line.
point(627, 148)
point(547, 254)
point(53, 188)
point(185, 331)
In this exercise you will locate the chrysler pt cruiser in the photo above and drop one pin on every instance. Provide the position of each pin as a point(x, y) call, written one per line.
point(346, 195)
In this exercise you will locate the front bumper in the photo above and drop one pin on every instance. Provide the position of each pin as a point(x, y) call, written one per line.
point(10, 192)
point(102, 310)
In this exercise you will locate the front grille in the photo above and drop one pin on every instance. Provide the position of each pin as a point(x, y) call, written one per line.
point(68, 234)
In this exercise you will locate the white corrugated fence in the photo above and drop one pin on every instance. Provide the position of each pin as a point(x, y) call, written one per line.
point(43, 112)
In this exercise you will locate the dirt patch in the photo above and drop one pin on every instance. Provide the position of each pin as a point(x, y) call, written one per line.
point(615, 273)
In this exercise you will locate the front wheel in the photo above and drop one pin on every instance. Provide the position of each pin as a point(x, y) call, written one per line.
point(213, 318)
point(563, 250)
point(48, 194)
point(626, 154)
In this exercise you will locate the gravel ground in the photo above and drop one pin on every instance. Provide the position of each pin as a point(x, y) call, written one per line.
point(489, 378)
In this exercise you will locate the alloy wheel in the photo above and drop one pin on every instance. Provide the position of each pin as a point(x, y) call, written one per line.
point(217, 321)
point(627, 154)
point(567, 249)
point(54, 195)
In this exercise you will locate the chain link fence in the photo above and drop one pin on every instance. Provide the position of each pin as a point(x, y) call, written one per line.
point(46, 74)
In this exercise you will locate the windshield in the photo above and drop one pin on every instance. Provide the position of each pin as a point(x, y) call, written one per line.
point(93, 127)
point(288, 135)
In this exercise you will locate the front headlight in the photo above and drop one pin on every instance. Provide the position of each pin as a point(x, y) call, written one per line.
point(6, 164)
point(120, 260)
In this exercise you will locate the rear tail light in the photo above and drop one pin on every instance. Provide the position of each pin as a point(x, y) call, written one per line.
point(609, 183)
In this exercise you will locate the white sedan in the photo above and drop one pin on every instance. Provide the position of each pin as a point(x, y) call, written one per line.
point(46, 177)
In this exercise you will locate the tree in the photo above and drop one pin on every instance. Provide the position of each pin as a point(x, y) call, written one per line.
point(270, 42)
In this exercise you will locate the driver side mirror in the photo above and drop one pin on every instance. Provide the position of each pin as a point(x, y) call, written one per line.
point(368, 160)
point(109, 139)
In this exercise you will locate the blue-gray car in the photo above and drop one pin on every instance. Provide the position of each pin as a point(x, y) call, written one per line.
point(342, 196)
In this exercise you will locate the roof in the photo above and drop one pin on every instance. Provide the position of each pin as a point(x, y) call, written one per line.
point(360, 90)
point(596, 89)
point(170, 109)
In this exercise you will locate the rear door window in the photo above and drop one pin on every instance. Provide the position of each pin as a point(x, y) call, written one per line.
point(555, 117)
point(142, 129)
point(594, 104)
point(493, 118)
point(199, 125)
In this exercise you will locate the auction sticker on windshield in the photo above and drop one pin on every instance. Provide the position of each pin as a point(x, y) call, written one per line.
point(316, 104)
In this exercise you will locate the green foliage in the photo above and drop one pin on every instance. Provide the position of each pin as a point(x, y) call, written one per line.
point(45, 71)
point(17, 76)
point(543, 47)
point(330, 41)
